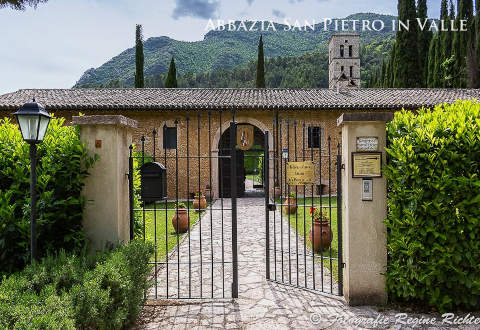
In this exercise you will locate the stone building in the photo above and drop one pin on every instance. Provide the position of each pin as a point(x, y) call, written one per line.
point(301, 120)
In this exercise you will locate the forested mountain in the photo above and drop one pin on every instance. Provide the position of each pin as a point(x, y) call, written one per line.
point(226, 58)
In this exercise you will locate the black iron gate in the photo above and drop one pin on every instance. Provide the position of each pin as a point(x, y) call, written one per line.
point(291, 258)
point(199, 261)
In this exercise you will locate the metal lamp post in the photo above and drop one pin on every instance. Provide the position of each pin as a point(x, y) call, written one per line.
point(33, 121)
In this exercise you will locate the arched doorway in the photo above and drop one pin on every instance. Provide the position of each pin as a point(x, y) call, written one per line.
point(249, 165)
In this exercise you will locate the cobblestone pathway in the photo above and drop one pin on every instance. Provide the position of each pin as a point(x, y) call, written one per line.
point(261, 304)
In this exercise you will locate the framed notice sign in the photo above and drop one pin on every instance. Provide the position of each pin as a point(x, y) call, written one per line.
point(300, 173)
point(366, 164)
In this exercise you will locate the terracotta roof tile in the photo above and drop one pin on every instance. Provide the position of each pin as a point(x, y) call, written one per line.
point(230, 98)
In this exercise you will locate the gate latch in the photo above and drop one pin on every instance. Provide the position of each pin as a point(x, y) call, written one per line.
point(272, 206)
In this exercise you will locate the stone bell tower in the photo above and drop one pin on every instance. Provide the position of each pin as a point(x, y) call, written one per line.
point(344, 61)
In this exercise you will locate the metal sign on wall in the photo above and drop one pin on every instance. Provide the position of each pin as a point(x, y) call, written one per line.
point(245, 137)
point(300, 173)
point(366, 164)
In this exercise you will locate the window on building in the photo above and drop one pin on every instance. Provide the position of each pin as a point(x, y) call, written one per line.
point(351, 71)
point(169, 137)
point(350, 51)
point(342, 50)
point(314, 136)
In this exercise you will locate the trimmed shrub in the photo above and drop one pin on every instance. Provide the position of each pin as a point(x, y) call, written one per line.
point(103, 291)
point(62, 167)
point(434, 206)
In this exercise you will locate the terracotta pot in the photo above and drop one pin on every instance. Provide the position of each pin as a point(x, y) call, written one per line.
point(291, 205)
point(199, 201)
point(323, 235)
point(182, 220)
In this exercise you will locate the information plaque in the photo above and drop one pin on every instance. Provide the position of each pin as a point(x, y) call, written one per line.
point(300, 173)
point(367, 143)
point(366, 164)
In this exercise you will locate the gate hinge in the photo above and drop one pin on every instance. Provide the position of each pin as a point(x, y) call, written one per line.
point(343, 265)
point(342, 167)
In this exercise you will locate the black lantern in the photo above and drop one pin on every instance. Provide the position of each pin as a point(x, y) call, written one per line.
point(33, 121)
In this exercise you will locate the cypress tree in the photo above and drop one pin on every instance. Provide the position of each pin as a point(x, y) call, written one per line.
point(424, 40)
point(461, 45)
point(139, 59)
point(171, 80)
point(407, 64)
point(437, 75)
point(260, 65)
point(431, 63)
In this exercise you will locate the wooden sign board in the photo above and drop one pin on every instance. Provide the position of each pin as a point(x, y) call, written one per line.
point(366, 164)
point(300, 173)
point(245, 137)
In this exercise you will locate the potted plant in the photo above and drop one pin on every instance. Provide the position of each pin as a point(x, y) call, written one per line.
point(321, 234)
point(181, 219)
point(199, 202)
point(291, 203)
point(208, 192)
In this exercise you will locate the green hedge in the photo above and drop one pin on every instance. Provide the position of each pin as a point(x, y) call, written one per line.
point(434, 206)
point(103, 291)
point(63, 162)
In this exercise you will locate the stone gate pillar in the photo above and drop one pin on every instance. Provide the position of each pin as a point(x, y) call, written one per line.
point(106, 216)
point(364, 209)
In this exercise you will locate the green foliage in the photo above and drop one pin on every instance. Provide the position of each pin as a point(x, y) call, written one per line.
point(102, 291)
point(20, 4)
point(434, 206)
point(63, 162)
point(407, 62)
point(139, 58)
point(260, 83)
point(171, 80)
point(180, 206)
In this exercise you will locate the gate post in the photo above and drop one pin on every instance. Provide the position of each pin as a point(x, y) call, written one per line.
point(364, 232)
point(106, 217)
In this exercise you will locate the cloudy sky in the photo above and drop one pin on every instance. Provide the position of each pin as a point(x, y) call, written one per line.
point(51, 46)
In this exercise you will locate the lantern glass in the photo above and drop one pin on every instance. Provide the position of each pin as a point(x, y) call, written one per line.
point(44, 121)
point(29, 126)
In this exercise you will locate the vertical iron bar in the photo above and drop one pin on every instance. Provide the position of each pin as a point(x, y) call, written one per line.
point(339, 221)
point(233, 179)
point(130, 191)
point(188, 210)
point(281, 199)
point(310, 134)
point(210, 183)
point(154, 134)
point(266, 160)
point(33, 202)
point(304, 211)
point(199, 217)
point(166, 201)
point(330, 207)
point(321, 207)
point(176, 199)
point(143, 203)
point(221, 191)
point(275, 154)
point(289, 204)
point(296, 196)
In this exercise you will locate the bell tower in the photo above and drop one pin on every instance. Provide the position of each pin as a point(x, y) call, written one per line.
point(344, 61)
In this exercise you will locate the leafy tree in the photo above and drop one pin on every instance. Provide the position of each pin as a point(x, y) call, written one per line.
point(407, 64)
point(20, 4)
point(139, 58)
point(461, 42)
point(424, 40)
point(171, 81)
point(260, 65)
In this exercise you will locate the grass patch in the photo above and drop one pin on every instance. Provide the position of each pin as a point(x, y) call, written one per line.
point(164, 232)
point(257, 178)
point(303, 218)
